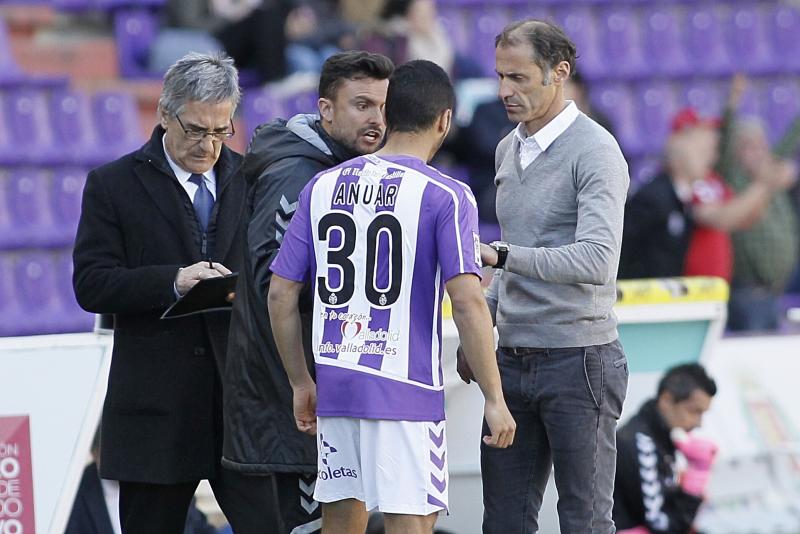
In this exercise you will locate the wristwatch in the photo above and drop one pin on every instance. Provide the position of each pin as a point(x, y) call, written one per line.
point(502, 248)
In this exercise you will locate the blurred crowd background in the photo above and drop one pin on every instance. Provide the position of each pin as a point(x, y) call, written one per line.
point(702, 95)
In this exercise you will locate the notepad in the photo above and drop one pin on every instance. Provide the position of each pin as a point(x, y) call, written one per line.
point(206, 295)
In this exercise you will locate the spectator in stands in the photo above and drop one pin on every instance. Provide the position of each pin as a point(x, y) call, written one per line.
point(650, 494)
point(408, 30)
point(153, 224)
point(96, 506)
point(561, 187)
point(261, 439)
point(766, 253)
point(679, 223)
point(252, 32)
point(314, 32)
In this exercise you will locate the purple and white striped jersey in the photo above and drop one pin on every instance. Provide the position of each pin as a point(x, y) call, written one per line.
point(379, 237)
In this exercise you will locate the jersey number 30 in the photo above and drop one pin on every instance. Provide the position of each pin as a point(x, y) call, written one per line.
point(339, 258)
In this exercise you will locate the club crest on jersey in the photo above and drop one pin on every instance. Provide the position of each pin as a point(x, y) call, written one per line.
point(351, 329)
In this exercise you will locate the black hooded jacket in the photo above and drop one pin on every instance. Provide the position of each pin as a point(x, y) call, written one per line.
point(260, 432)
point(646, 492)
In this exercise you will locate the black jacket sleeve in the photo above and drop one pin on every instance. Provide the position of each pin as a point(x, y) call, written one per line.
point(105, 279)
point(640, 495)
point(273, 203)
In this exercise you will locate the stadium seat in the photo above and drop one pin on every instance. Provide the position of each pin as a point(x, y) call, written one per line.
point(70, 317)
point(454, 22)
point(781, 105)
point(9, 307)
point(616, 102)
point(706, 96)
point(663, 40)
point(34, 281)
point(705, 40)
point(747, 40)
point(134, 31)
point(30, 216)
point(622, 42)
point(783, 27)
point(66, 192)
point(578, 22)
point(259, 107)
point(302, 102)
point(27, 127)
point(487, 22)
point(116, 122)
point(73, 131)
point(656, 106)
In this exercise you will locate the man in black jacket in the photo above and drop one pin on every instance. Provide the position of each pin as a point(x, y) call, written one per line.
point(261, 438)
point(650, 493)
point(154, 223)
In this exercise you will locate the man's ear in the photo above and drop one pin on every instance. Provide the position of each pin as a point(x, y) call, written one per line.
point(163, 119)
point(562, 73)
point(444, 122)
point(325, 107)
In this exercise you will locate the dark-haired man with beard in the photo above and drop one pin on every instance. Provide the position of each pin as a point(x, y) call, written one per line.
point(260, 435)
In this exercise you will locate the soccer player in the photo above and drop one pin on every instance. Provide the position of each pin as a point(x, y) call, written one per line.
point(380, 237)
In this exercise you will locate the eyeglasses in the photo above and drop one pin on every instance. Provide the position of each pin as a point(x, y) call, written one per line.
point(199, 135)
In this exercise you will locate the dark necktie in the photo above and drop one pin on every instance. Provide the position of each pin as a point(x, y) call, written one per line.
point(203, 201)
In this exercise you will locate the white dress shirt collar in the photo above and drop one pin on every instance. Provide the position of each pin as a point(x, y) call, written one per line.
point(550, 131)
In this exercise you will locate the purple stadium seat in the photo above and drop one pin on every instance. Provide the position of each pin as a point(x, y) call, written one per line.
point(663, 40)
point(66, 191)
point(116, 122)
point(622, 42)
point(487, 22)
point(73, 131)
point(34, 280)
point(752, 104)
point(747, 39)
point(9, 307)
point(783, 27)
point(259, 107)
point(454, 22)
point(578, 22)
point(134, 32)
point(707, 97)
point(70, 317)
point(656, 107)
point(27, 126)
point(302, 102)
point(705, 41)
point(7, 237)
point(27, 198)
point(617, 103)
point(781, 100)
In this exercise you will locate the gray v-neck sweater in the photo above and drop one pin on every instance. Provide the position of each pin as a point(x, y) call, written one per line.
point(562, 216)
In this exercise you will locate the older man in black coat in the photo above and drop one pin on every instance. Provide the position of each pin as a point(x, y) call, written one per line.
point(153, 224)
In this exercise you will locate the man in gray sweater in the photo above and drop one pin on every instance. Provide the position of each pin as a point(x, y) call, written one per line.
point(561, 187)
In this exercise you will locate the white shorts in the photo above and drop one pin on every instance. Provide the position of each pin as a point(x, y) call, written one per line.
point(398, 467)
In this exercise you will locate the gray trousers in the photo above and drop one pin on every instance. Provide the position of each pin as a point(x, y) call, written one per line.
point(566, 403)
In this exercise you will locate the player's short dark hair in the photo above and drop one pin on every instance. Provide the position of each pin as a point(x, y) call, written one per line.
point(419, 91)
point(682, 380)
point(352, 65)
point(550, 44)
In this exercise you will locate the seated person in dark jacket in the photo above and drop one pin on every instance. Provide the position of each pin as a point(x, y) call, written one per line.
point(650, 494)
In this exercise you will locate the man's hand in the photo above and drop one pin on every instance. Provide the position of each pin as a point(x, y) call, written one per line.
point(305, 408)
point(501, 424)
point(488, 255)
point(189, 276)
point(462, 366)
